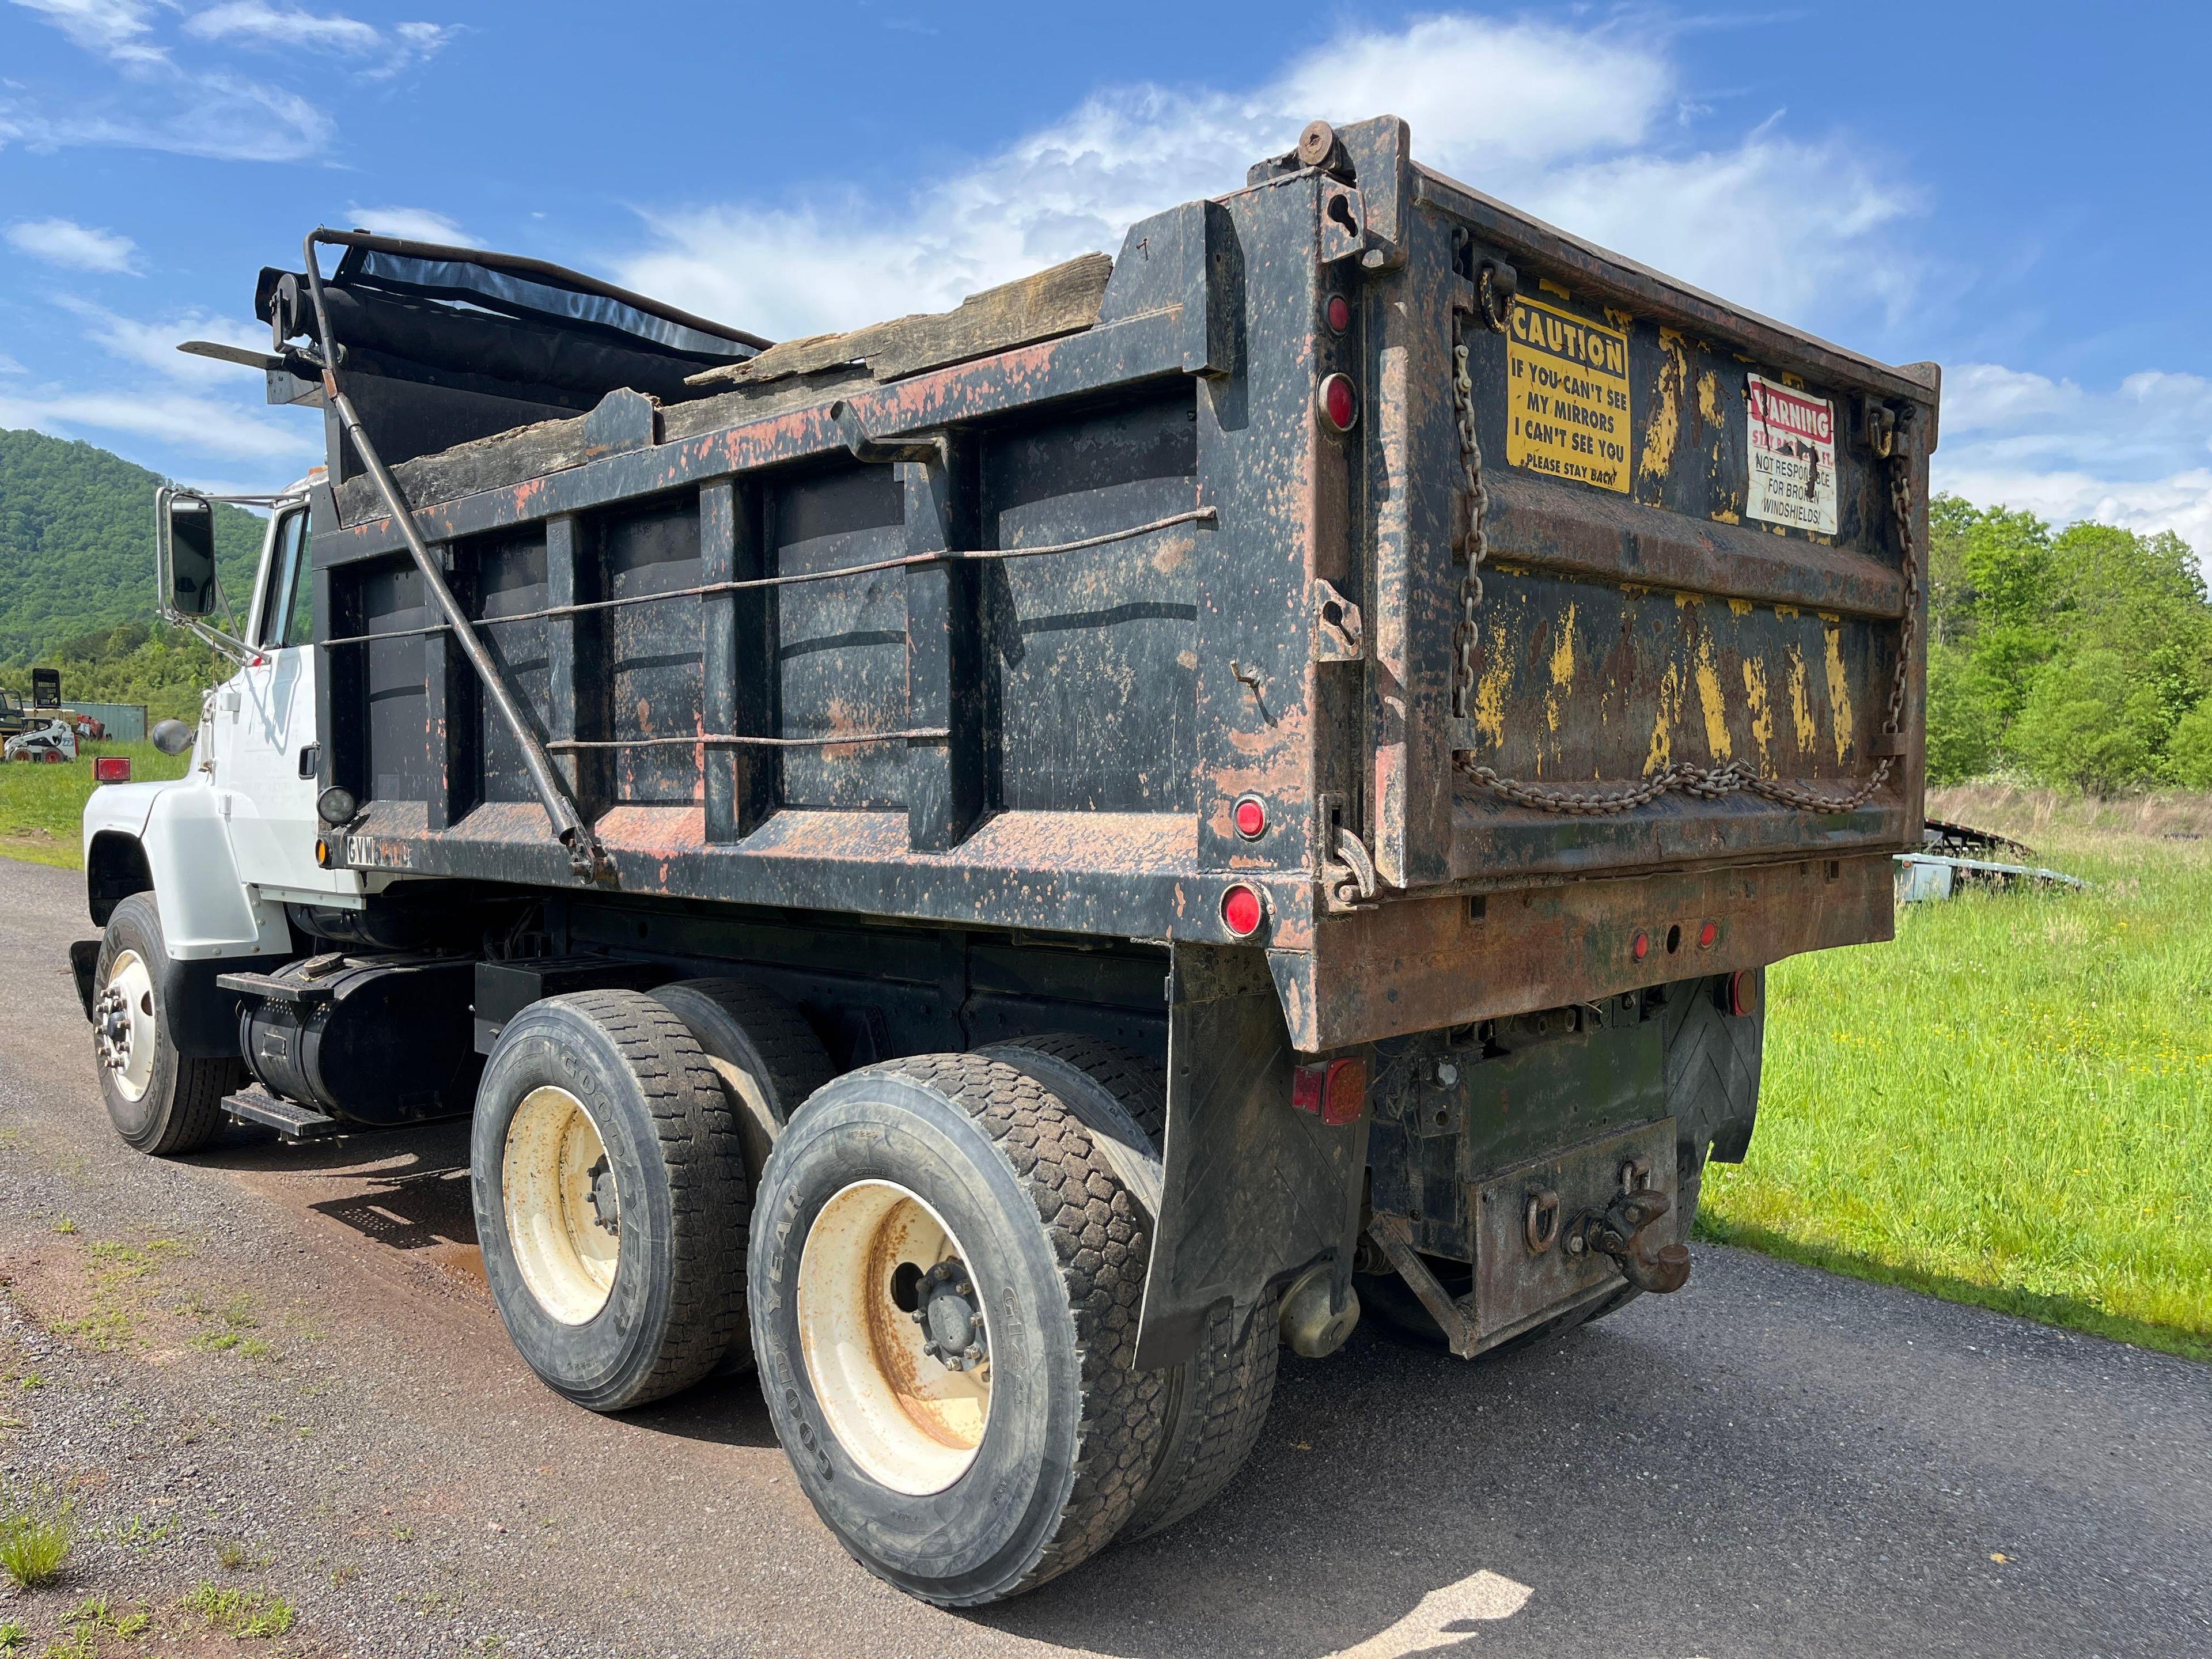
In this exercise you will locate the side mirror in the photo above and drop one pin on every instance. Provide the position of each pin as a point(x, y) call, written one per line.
point(189, 526)
point(171, 737)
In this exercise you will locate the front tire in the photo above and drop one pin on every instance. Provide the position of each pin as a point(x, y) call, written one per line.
point(159, 1101)
point(610, 1198)
point(961, 1189)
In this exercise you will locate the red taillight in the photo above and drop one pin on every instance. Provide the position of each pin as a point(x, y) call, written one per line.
point(111, 769)
point(1250, 815)
point(1744, 992)
point(1334, 1091)
point(1642, 946)
point(1242, 911)
point(1339, 404)
point(1340, 313)
point(1707, 934)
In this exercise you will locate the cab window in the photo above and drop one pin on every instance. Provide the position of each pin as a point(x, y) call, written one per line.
point(286, 608)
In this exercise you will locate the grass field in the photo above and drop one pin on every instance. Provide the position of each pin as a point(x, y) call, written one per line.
point(42, 806)
point(2011, 1105)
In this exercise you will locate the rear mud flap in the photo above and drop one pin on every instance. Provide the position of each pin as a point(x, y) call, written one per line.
point(1254, 1189)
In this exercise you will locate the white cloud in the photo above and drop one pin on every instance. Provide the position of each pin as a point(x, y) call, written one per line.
point(153, 345)
point(10, 365)
point(197, 425)
point(282, 28)
point(117, 29)
point(1576, 127)
point(169, 101)
point(416, 224)
point(2136, 455)
point(79, 247)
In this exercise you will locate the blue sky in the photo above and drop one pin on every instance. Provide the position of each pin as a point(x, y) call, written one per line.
point(2017, 190)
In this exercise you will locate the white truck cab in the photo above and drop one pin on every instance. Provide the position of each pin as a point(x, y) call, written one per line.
point(226, 846)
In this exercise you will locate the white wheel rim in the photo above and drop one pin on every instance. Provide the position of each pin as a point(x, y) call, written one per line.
point(901, 1413)
point(566, 1244)
point(125, 1027)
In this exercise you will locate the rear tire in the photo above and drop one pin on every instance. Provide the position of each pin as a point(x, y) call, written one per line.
point(159, 1102)
point(1218, 1400)
point(960, 1486)
point(610, 1198)
point(769, 1061)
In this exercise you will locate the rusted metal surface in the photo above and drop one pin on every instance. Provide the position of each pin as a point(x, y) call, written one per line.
point(1424, 965)
point(1003, 640)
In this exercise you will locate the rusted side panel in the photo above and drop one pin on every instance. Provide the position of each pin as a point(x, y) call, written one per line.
point(1423, 964)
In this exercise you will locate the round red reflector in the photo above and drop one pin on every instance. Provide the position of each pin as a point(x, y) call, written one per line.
point(1251, 817)
point(1642, 947)
point(1242, 910)
point(1707, 934)
point(1340, 313)
point(1339, 404)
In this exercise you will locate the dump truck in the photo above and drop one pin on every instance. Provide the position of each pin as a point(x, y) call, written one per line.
point(997, 869)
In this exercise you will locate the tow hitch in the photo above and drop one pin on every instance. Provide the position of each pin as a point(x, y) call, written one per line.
point(1623, 1231)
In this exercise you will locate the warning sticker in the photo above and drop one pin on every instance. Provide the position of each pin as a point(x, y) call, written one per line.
point(1793, 456)
point(1566, 393)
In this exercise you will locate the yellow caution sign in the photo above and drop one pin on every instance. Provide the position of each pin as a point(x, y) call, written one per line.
point(1566, 391)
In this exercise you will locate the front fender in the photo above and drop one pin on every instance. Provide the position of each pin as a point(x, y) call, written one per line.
point(206, 910)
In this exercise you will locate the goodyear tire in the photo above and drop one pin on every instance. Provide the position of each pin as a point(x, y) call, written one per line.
point(610, 1198)
point(159, 1101)
point(769, 1061)
point(916, 1204)
point(1217, 1400)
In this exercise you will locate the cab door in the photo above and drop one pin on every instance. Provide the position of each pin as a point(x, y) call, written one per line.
point(265, 728)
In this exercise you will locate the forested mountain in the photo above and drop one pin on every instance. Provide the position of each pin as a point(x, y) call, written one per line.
point(76, 543)
point(76, 577)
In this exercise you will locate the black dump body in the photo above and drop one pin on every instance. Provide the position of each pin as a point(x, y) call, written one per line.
point(936, 670)
point(1245, 602)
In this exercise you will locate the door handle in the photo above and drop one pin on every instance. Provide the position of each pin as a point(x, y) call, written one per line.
point(311, 756)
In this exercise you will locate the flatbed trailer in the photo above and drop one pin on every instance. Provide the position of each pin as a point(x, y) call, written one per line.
point(1302, 737)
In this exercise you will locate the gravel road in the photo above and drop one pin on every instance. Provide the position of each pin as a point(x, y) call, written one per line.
point(289, 1352)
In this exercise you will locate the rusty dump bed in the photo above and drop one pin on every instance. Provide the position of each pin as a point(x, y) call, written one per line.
point(1109, 568)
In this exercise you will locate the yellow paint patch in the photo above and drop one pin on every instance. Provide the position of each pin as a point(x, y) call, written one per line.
point(1709, 398)
point(1562, 669)
point(1712, 702)
point(1664, 429)
point(1839, 693)
point(1741, 607)
point(1724, 516)
point(1786, 610)
point(1546, 285)
point(1801, 705)
point(1490, 690)
point(1762, 711)
point(1663, 717)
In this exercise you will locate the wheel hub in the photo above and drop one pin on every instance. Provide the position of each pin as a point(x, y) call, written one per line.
point(891, 1327)
point(123, 1031)
point(951, 1320)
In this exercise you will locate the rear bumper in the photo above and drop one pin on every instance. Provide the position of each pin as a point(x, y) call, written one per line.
point(1424, 964)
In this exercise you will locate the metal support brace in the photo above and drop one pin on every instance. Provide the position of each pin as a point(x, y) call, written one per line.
point(586, 856)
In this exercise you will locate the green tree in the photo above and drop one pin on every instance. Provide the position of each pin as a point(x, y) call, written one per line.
point(2082, 725)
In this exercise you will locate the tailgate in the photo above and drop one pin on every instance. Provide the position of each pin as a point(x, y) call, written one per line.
point(1693, 635)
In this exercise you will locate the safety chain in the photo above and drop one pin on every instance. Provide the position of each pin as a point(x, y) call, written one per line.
point(1478, 507)
point(1706, 782)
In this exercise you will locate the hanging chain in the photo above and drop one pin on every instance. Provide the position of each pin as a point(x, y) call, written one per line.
point(1478, 507)
point(1706, 782)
